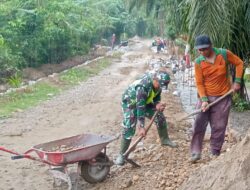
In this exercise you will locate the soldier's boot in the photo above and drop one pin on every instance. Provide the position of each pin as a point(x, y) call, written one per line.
point(120, 160)
point(195, 157)
point(165, 141)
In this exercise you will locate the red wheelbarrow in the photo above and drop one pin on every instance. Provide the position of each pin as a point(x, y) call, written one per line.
point(88, 150)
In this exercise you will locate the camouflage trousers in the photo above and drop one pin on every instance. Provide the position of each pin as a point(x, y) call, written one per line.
point(130, 119)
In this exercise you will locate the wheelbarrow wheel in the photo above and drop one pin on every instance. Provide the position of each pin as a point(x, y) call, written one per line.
point(95, 173)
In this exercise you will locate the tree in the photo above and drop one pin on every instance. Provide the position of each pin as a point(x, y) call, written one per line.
point(35, 32)
point(227, 22)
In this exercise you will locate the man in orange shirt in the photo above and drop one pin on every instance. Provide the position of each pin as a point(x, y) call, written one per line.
point(213, 80)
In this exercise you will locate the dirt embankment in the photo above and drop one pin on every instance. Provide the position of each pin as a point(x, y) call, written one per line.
point(230, 171)
point(31, 74)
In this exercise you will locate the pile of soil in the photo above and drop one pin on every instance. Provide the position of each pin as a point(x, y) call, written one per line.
point(239, 122)
point(229, 172)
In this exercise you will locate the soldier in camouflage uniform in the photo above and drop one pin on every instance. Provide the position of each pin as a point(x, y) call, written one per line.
point(140, 100)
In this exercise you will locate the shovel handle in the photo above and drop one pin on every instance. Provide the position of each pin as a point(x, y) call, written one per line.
point(220, 98)
point(209, 105)
point(132, 147)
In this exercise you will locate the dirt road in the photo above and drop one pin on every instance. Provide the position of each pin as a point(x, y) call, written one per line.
point(94, 107)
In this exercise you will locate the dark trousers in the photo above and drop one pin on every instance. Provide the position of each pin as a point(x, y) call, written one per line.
point(217, 116)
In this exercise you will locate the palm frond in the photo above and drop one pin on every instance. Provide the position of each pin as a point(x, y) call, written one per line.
point(211, 18)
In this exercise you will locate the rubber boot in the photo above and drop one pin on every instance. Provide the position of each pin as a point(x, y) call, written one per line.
point(124, 146)
point(163, 134)
point(195, 157)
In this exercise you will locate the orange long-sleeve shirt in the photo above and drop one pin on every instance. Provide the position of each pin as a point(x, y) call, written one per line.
point(212, 79)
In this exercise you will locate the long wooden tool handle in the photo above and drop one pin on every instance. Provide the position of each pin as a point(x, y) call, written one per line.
point(209, 105)
point(132, 147)
point(220, 98)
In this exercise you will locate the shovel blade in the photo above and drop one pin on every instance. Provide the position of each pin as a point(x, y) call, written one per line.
point(133, 163)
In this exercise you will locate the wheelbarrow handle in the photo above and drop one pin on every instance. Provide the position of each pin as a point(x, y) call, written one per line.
point(9, 151)
point(25, 155)
point(17, 157)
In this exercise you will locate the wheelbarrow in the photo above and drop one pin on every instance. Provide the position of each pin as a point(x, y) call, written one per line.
point(88, 150)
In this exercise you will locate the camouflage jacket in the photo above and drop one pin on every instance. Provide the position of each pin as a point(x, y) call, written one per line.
point(139, 95)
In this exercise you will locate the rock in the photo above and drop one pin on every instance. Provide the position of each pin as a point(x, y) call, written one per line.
point(176, 93)
point(3, 88)
point(19, 110)
point(147, 174)
point(14, 134)
point(50, 94)
point(180, 181)
point(157, 157)
point(167, 184)
point(135, 178)
point(170, 174)
point(168, 188)
point(31, 82)
point(2, 121)
point(163, 182)
point(176, 180)
point(127, 183)
point(152, 146)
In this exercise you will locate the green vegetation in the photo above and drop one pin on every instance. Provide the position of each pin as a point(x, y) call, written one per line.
point(15, 81)
point(240, 104)
point(76, 75)
point(31, 96)
point(26, 98)
point(35, 32)
point(247, 77)
point(38, 32)
point(248, 84)
point(227, 22)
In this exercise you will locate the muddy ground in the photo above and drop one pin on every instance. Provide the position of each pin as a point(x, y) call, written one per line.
point(94, 107)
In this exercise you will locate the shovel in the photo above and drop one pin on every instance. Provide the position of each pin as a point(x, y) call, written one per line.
point(132, 147)
point(208, 106)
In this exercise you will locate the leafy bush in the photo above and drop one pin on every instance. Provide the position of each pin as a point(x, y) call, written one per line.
point(239, 104)
point(34, 33)
point(15, 81)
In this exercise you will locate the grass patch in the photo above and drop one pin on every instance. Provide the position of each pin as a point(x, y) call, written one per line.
point(117, 55)
point(20, 100)
point(76, 75)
